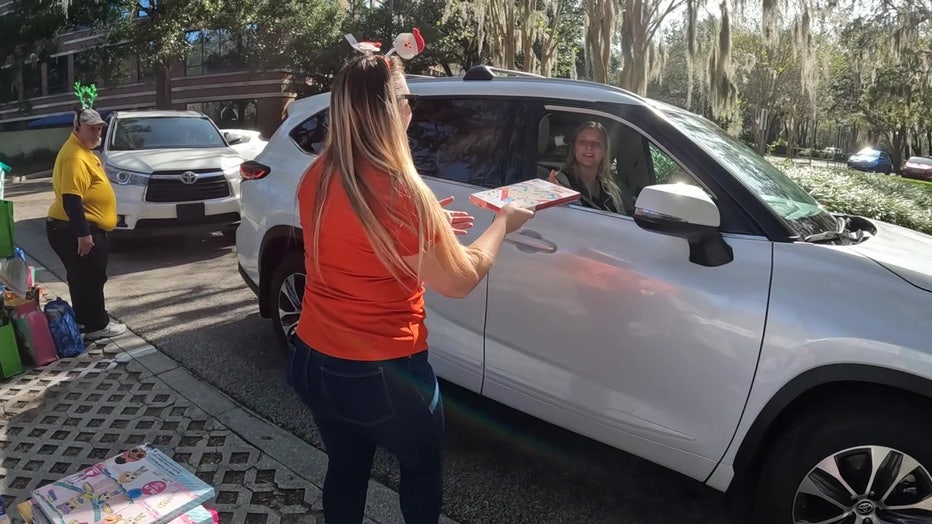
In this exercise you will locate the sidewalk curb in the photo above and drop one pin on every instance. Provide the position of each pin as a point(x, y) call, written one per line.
point(293, 453)
point(29, 176)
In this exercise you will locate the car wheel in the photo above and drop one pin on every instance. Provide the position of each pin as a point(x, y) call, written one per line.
point(866, 460)
point(286, 293)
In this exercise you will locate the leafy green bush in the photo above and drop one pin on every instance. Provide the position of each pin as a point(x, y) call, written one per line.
point(777, 147)
point(889, 199)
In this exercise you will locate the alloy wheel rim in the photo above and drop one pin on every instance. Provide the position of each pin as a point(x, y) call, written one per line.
point(290, 296)
point(865, 485)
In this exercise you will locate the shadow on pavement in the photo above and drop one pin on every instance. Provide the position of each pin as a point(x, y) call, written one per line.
point(130, 255)
point(25, 187)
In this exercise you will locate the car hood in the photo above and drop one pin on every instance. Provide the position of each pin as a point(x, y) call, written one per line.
point(149, 161)
point(905, 252)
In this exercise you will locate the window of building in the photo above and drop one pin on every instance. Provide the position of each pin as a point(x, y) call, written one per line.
point(101, 67)
point(32, 80)
point(86, 69)
point(229, 114)
point(212, 51)
point(9, 91)
point(57, 75)
point(144, 71)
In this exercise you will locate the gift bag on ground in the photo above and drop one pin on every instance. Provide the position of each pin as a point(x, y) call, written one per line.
point(64, 328)
point(32, 330)
point(6, 229)
point(10, 363)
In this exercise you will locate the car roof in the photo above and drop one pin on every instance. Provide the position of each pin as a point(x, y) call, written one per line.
point(510, 83)
point(520, 86)
point(157, 113)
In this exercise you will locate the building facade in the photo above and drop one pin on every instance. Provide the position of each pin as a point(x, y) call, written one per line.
point(38, 102)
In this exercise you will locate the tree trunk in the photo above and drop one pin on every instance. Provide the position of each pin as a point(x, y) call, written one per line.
point(163, 86)
point(509, 36)
point(762, 129)
point(600, 22)
point(634, 48)
point(548, 50)
point(896, 153)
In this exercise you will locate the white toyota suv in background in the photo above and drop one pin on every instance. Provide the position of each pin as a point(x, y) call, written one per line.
point(172, 171)
point(725, 326)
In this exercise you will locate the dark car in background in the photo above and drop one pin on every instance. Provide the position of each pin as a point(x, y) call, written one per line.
point(918, 167)
point(872, 160)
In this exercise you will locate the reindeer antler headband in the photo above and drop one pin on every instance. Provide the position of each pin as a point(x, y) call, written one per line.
point(406, 45)
point(86, 94)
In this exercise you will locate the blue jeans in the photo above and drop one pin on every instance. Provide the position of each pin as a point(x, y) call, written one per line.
point(357, 405)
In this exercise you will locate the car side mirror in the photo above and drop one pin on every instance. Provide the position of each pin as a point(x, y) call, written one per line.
point(685, 211)
point(233, 139)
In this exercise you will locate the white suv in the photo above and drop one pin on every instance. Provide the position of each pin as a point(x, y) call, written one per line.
point(725, 326)
point(172, 171)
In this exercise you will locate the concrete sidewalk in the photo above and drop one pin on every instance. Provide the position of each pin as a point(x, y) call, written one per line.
point(75, 412)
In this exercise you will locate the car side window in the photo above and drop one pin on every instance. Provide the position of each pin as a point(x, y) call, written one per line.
point(666, 170)
point(633, 161)
point(476, 141)
point(311, 134)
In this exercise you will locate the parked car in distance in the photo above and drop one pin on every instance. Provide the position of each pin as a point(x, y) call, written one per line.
point(918, 167)
point(246, 142)
point(871, 160)
point(835, 154)
point(725, 325)
point(172, 172)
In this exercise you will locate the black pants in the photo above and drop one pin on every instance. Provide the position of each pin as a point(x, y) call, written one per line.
point(394, 404)
point(86, 275)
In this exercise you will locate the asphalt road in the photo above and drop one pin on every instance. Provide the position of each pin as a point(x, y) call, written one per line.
point(186, 297)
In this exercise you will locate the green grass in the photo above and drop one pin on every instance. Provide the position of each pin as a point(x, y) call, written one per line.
point(926, 184)
point(896, 200)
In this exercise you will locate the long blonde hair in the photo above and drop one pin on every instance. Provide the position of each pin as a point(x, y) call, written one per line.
point(366, 125)
point(604, 172)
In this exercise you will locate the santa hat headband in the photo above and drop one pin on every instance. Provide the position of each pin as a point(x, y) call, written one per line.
point(406, 45)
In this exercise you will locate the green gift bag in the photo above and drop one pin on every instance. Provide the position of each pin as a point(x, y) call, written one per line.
point(10, 363)
point(6, 229)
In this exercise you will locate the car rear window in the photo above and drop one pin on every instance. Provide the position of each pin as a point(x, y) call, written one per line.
point(311, 134)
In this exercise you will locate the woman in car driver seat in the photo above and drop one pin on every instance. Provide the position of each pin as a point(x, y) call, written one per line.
point(586, 169)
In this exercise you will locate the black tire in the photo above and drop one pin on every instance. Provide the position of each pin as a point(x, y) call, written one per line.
point(291, 265)
point(887, 420)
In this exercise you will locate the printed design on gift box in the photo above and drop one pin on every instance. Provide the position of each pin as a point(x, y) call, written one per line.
point(133, 455)
point(129, 476)
point(532, 194)
point(139, 485)
point(97, 496)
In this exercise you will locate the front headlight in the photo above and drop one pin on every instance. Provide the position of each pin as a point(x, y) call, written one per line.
point(126, 178)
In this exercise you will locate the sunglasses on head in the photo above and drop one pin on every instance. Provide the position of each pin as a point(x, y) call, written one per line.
point(411, 98)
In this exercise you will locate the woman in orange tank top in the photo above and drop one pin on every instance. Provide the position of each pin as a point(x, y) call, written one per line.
point(374, 235)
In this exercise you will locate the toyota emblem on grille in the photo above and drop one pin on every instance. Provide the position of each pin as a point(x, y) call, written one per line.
point(189, 177)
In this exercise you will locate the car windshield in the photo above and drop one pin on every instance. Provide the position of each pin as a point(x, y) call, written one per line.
point(784, 197)
point(920, 160)
point(870, 153)
point(164, 133)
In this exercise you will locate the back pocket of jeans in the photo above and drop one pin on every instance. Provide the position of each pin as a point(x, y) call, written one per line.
point(360, 398)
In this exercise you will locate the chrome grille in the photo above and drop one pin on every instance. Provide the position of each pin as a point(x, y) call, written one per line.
point(171, 188)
